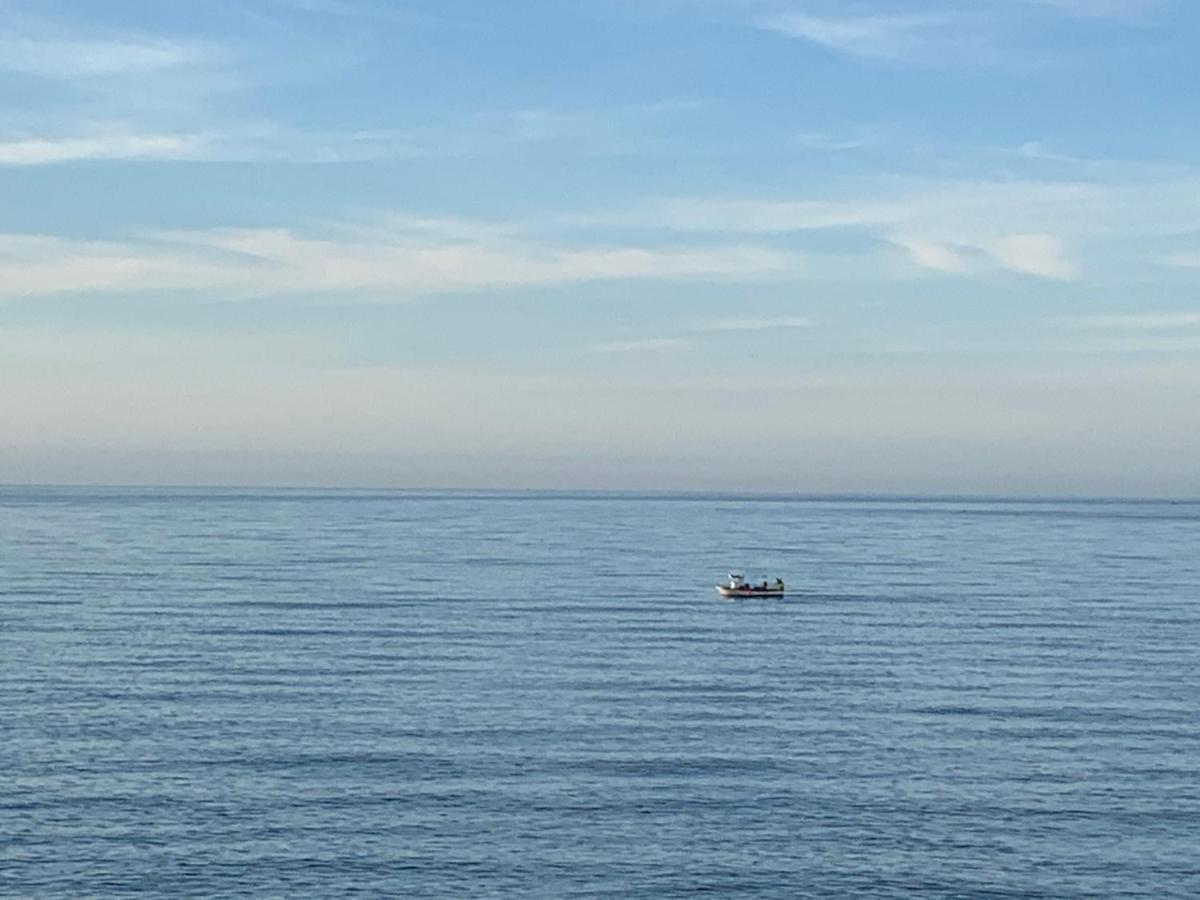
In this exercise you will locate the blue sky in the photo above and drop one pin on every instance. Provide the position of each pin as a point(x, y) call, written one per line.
point(909, 246)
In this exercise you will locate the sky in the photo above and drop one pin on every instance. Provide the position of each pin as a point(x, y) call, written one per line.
point(918, 246)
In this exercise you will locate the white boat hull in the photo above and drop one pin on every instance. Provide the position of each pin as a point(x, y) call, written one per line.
point(726, 591)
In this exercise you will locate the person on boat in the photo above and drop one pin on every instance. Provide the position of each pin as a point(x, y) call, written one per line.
point(778, 584)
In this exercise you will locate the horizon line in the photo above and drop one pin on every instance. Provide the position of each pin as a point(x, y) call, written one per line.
point(600, 493)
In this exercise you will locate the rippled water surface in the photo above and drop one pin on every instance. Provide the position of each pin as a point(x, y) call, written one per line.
point(290, 693)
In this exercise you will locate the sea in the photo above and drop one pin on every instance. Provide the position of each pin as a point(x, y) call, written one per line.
point(376, 693)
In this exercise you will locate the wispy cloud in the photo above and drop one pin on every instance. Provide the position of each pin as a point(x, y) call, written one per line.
point(1166, 321)
point(1035, 254)
point(1189, 260)
point(111, 94)
point(962, 35)
point(404, 263)
point(231, 142)
point(601, 132)
point(1042, 255)
point(951, 227)
point(752, 324)
point(817, 140)
point(932, 255)
point(753, 216)
point(880, 36)
point(1035, 150)
point(45, 151)
point(64, 58)
point(968, 211)
point(151, 83)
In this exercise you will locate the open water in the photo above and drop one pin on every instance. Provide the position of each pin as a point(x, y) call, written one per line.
point(223, 693)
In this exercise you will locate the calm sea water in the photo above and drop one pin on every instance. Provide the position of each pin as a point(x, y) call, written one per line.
point(296, 693)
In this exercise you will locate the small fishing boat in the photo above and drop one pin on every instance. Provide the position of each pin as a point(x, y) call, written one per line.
point(737, 587)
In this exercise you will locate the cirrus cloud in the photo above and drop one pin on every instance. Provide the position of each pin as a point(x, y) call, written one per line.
point(414, 258)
